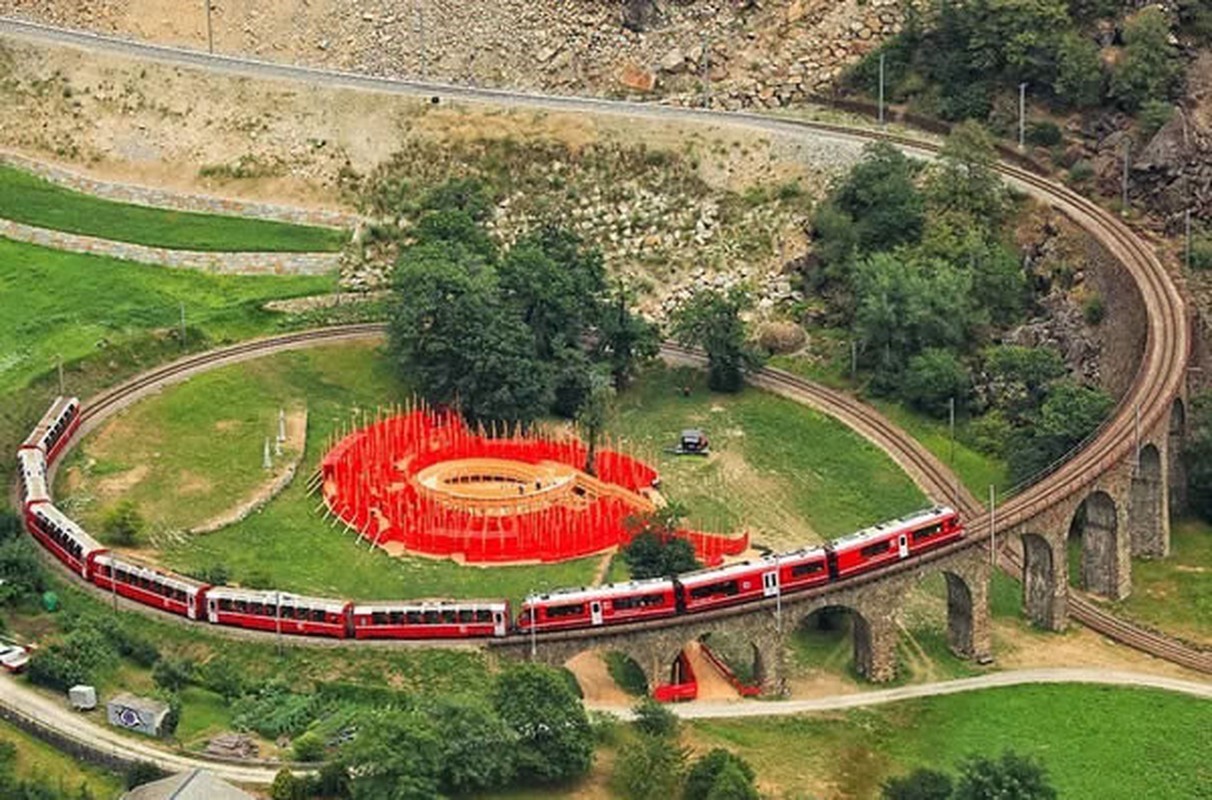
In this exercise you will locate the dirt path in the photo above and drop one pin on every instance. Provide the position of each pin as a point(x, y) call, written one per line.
point(712, 685)
point(597, 687)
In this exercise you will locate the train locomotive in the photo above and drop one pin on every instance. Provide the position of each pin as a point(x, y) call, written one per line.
point(283, 613)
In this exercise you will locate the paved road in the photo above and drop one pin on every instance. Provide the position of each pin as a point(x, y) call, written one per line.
point(17, 697)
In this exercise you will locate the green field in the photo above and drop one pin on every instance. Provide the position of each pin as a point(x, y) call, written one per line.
point(70, 305)
point(1174, 594)
point(1095, 742)
point(789, 473)
point(29, 199)
point(36, 760)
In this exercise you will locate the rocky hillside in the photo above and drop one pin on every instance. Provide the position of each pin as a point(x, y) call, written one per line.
point(731, 53)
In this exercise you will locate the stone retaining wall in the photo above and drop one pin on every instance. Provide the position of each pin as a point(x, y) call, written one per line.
point(218, 262)
point(179, 201)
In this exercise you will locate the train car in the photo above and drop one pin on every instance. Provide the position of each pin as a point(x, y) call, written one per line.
point(889, 542)
point(600, 605)
point(431, 619)
point(165, 591)
point(803, 569)
point(31, 464)
point(55, 428)
point(725, 586)
point(63, 537)
point(278, 611)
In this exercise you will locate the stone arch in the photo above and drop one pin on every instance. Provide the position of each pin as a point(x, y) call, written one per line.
point(960, 617)
point(1096, 522)
point(868, 660)
point(591, 669)
point(1176, 473)
point(1147, 505)
point(739, 653)
point(1043, 591)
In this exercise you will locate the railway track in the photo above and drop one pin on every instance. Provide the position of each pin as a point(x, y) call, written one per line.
point(1158, 379)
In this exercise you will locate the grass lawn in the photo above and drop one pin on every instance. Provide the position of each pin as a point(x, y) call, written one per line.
point(37, 760)
point(789, 473)
point(32, 200)
point(1174, 593)
point(70, 305)
point(1095, 742)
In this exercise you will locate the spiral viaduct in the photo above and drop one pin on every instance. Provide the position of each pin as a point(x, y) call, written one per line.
point(1122, 479)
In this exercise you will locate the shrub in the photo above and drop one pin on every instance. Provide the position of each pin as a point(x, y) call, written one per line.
point(1153, 115)
point(1081, 171)
point(1093, 310)
point(649, 768)
point(123, 524)
point(173, 674)
point(1043, 133)
point(933, 379)
point(653, 719)
point(135, 646)
point(308, 747)
point(1201, 252)
point(627, 674)
point(707, 770)
point(287, 787)
point(921, 784)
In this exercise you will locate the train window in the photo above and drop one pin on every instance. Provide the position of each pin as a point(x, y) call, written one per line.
point(317, 616)
point(240, 606)
point(256, 608)
point(727, 588)
point(876, 548)
point(467, 615)
point(800, 570)
point(449, 617)
point(483, 615)
point(926, 533)
point(431, 618)
point(225, 604)
point(378, 618)
point(414, 617)
point(572, 610)
point(397, 617)
point(640, 601)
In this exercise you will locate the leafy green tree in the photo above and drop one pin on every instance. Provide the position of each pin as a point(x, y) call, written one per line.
point(706, 771)
point(649, 768)
point(308, 747)
point(396, 755)
point(1079, 71)
point(880, 196)
point(1070, 414)
point(455, 227)
point(1019, 377)
point(173, 674)
point(555, 739)
point(964, 181)
point(711, 319)
point(1011, 775)
point(935, 378)
point(625, 340)
point(732, 784)
point(10, 525)
point(287, 787)
point(123, 524)
point(331, 781)
point(22, 576)
point(222, 676)
point(654, 719)
point(171, 721)
point(655, 550)
point(479, 751)
point(468, 195)
point(591, 416)
point(453, 336)
point(921, 784)
point(1150, 68)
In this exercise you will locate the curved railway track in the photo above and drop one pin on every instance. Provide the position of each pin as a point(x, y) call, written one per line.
point(1158, 380)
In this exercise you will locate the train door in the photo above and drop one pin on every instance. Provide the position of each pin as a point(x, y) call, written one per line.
point(595, 612)
point(770, 583)
point(902, 544)
point(498, 623)
point(191, 605)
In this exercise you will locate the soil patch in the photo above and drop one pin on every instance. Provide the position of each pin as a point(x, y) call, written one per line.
point(597, 687)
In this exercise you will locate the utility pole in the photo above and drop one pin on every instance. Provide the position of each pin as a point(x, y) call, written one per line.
point(183, 325)
point(992, 527)
point(704, 72)
point(421, 31)
point(1022, 115)
point(881, 89)
point(278, 619)
point(853, 360)
point(210, 31)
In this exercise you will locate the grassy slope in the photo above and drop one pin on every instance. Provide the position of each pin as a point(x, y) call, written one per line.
point(1096, 742)
point(29, 199)
point(813, 473)
point(37, 760)
point(66, 304)
point(1175, 593)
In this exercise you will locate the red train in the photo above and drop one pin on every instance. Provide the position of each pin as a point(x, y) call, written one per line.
point(565, 609)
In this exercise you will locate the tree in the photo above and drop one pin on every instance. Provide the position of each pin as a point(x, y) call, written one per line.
point(732, 784)
point(1010, 775)
point(963, 183)
point(452, 335)
point(1150, 68)
point(921, 784)
point(934, 378)
point(168, 726)
point(308, 747)
point(1019, 377)
point(649, 768)
point(880, 196)
point(1070, 414)
point(123, 524)
point(173, 674)
point(705, 773)
point(654, 549)
point(396, 755)
point(479, 751)
point(654, 719)
point(1079, 71)
point(22, 576)
point(711, 319)
point(555, 739)
point(591, 416)
point(287, 787)
point(625, 340)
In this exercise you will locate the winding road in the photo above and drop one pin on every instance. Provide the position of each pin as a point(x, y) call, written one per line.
point(1158, 380)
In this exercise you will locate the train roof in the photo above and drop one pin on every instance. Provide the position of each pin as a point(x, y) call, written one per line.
point(431, 605)
point(713, 574)
point(38, 434)
point(166, 578)
point(892, 526)
point(816, 551)
point(271, 597)
point(599, 592)
point(69, 526)
point(32, 464)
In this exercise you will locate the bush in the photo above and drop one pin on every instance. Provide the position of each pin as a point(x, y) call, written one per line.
point(1153, 115)
point(173, 674)
point(627, 674)
point(135, 646)
point(308, 747)
point(705, 772)
point(1081, 171)
point(173, 718)
point(649, 768)
point(1093, 310)
point(654, 719)
point(933, 379)
point(1201, 252)
point(123, 524)
point(287, 787)
point(222, 677)
point(1043, 133)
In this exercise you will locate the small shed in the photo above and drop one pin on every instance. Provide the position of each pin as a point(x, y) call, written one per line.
point(82, 698)
point(197, 784)
point(142, 714)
